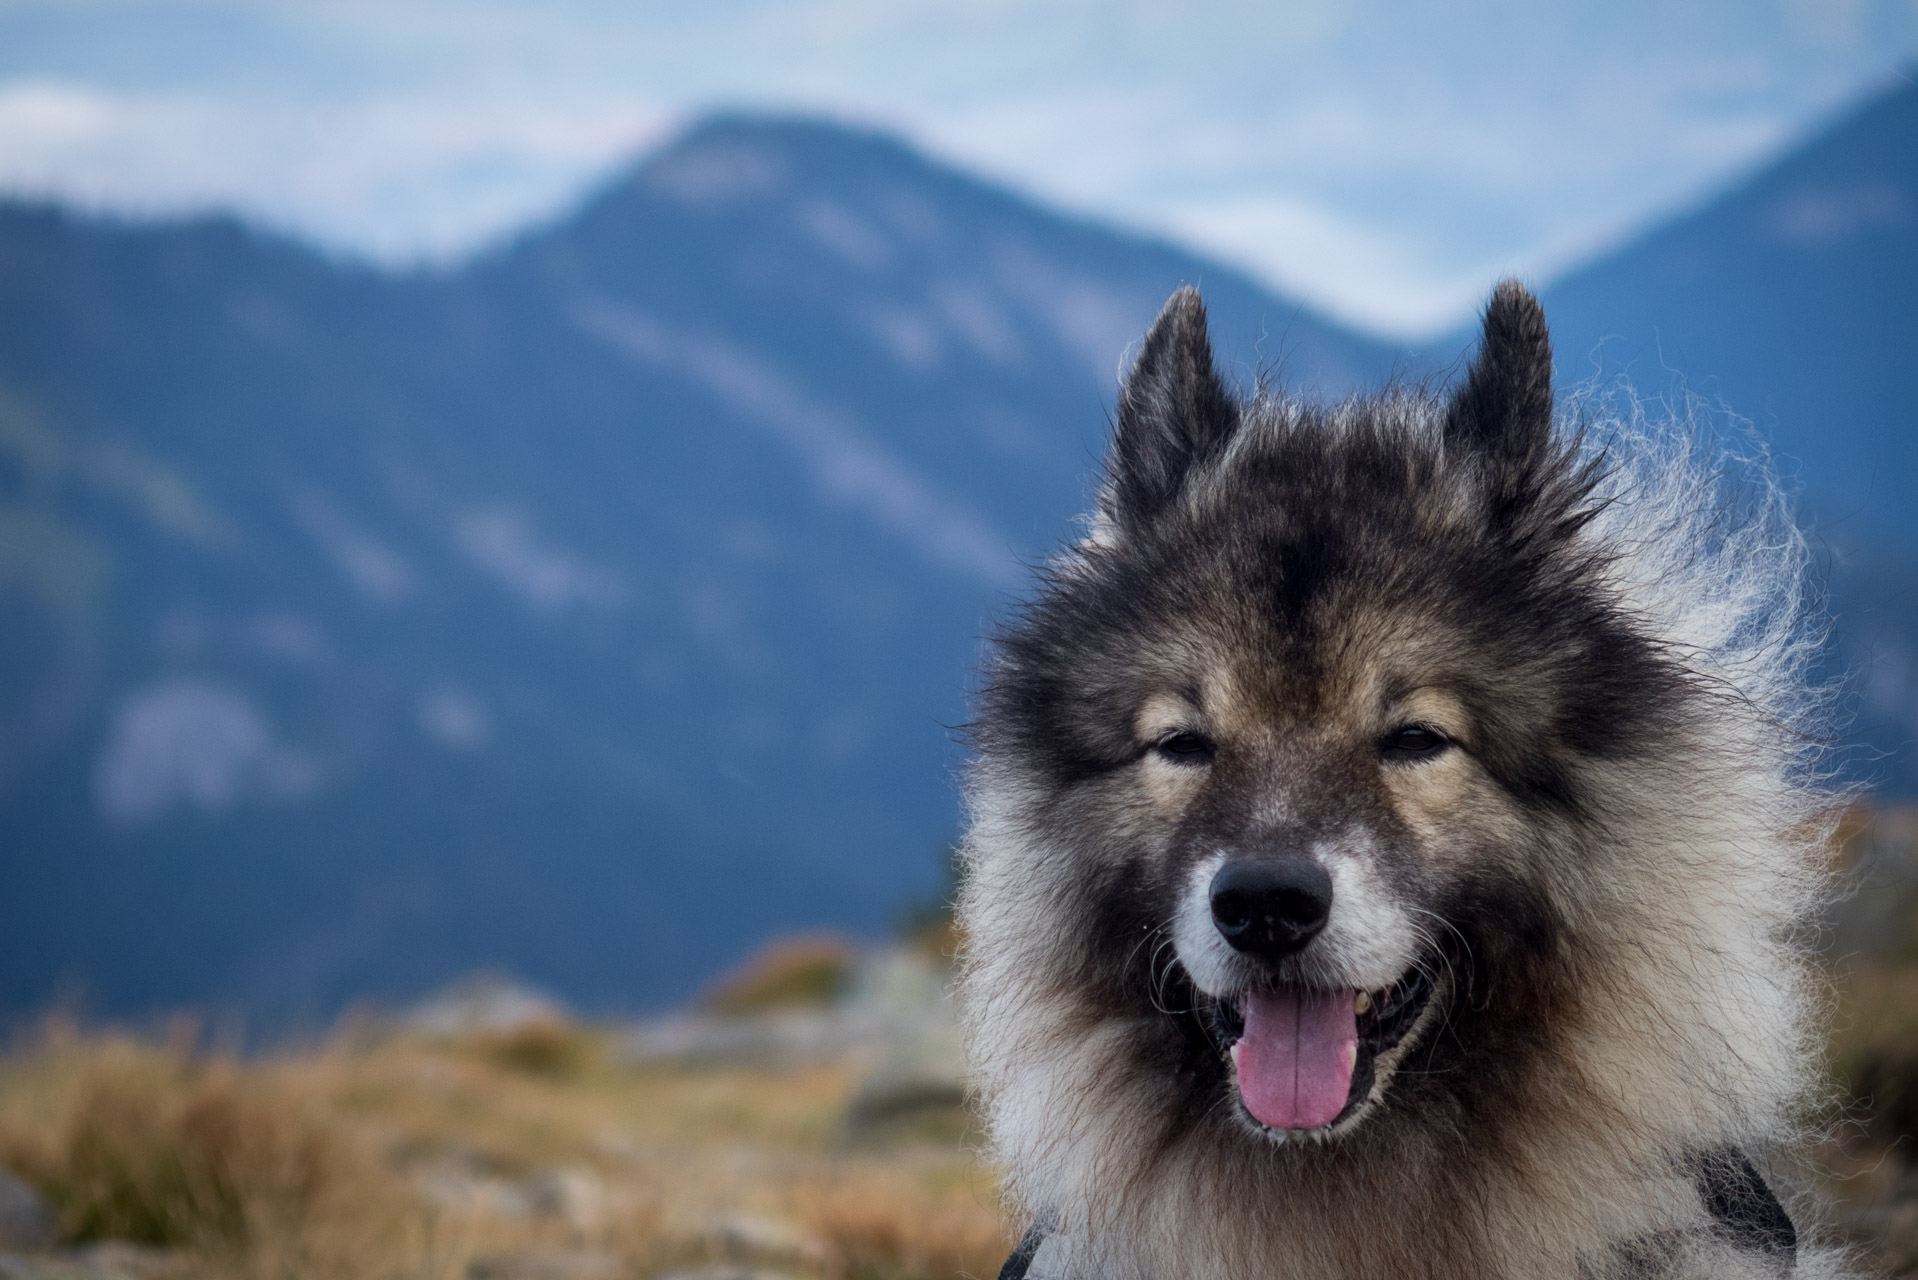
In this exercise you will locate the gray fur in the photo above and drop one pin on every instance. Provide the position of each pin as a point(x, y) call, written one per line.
point(1604, 877)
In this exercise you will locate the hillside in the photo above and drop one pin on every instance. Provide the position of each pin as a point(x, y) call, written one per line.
point(1792, 301)
point(601, 605)
point(590, 610)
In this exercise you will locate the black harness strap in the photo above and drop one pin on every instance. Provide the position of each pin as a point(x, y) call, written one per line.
point(1734, 1193)
point(1021, 1259)
point(1744, 1208)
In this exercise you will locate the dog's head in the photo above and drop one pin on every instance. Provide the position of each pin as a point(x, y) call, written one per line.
point(1289, 759)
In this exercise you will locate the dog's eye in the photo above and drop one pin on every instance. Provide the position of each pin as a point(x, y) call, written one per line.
point(1413, 742)
point(1185, 748)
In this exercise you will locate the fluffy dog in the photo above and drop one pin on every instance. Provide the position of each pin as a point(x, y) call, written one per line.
point(1392, 832)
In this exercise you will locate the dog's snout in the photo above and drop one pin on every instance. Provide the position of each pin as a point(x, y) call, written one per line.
point(1271, 906)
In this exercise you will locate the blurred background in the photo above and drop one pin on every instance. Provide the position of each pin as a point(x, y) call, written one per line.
point(519, 489)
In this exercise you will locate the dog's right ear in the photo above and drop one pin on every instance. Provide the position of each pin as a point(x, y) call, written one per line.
point(1504, 411)
point(1174, 412)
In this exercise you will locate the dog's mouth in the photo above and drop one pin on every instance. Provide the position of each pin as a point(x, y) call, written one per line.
point(1306, 1059)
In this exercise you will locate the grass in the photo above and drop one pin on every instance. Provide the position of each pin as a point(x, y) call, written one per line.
point(785, 973)
point(453, 1157)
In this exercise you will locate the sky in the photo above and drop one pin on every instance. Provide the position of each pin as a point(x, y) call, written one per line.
point(1384, 160)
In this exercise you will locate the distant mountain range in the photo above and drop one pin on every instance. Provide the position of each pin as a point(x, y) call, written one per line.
point(596, 607)
point(1792, 302)
point(590, 610)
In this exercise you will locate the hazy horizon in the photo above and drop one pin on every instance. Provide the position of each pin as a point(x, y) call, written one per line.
point(1380, 161)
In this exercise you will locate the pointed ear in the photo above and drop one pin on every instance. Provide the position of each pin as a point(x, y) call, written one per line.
point(1504, 410)
point(1174, 412)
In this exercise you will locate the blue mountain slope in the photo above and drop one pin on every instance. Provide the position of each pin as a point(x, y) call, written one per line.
point(1793, 302)
point(602, 604)
point(588, 610)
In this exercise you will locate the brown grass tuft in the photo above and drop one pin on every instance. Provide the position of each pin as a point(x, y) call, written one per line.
point(903, 1229)
point(418, 1157)
point(786, 972)
point(154, 1146)
point(550, 1050)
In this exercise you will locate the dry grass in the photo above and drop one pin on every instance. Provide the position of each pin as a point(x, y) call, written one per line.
point(872, 1229)
point(784, 973)
point(535, 1154)
point(465, 1157)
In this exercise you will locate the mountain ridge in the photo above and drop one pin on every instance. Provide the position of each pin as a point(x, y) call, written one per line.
point(635, 566)
point(598, 605)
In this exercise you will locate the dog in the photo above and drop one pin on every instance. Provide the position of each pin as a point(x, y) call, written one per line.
point(1392, 832)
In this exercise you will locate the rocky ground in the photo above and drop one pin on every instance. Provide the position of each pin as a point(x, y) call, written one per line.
point(815, 1133)
point(805, 1122)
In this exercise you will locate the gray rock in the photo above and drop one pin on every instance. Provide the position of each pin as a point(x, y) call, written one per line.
point(751, 1237)
point(924, 1073)
point(486, 1003)
point(56, 1266)
point(545, 1264)
point(27, 1221)
point(116, 1259)
point(898, 997)
point(575, 1196)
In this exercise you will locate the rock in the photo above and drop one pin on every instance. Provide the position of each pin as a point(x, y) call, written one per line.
point(785, 1038)
point(751, 1236)
point(922, 1075)
point(897, 996)
point(575, 1196)
point(545, 1264)
point(486, 1004)
point(122, 1258)
point(462, 1180)
point(27, 1221)
point(107, 1260)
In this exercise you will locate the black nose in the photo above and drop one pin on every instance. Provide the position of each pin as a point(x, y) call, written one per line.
point(1271, 906)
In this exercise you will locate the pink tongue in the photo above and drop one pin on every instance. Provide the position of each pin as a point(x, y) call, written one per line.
point(1295, 1058)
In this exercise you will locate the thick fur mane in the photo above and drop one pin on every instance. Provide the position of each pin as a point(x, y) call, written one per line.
point(1649, 1001)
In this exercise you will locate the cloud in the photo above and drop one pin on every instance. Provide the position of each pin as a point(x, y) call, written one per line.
point(398, 178)
point(1382, 157)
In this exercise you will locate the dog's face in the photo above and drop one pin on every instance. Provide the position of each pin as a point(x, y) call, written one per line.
point(1301, 728)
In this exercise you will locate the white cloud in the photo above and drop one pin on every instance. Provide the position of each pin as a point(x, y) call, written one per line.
point(396, 177)
point(43, 118)
point(1365, 275)
point(1381, 156)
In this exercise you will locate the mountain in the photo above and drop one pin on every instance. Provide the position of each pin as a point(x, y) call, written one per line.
point(588, 610)
point(599, 605)
point(1792, 301)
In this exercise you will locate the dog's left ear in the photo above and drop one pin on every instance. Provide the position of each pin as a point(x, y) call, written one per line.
point(1504, 410)
point(1174, 412)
